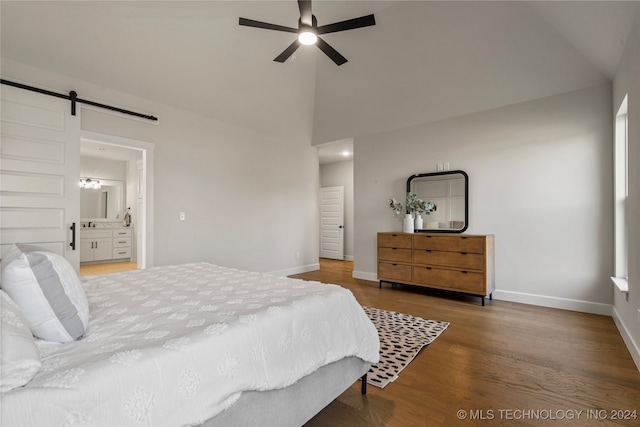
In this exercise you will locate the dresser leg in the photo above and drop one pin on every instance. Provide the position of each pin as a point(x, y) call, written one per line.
point(483, 301)
point(491, 296)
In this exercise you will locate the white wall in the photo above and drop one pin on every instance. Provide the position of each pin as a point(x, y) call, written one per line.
point(540, 180)
point(627, 81)
point(250, 198)
point(93, 167)
point(341, 174)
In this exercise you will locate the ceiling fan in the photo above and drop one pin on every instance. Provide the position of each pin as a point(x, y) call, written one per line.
point(308, 31)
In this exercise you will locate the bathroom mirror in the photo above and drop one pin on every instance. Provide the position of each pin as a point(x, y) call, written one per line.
point(103, 204)
point(449, 192)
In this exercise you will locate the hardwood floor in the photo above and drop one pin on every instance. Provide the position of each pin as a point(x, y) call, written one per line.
point(108, 267)
point(503, 364)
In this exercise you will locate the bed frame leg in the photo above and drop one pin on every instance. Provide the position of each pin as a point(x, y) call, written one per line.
point(364, 384)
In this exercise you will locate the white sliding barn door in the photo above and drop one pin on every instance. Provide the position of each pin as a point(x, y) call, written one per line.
point(332, 222)
point(39, 172)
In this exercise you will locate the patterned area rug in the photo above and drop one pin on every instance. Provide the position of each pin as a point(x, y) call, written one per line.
point(401, 338)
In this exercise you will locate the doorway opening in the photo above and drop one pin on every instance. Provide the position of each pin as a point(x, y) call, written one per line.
point(336, 161)
point(112, 147)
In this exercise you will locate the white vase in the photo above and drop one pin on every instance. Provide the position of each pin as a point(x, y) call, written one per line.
point(408, 223)
point(418, 222)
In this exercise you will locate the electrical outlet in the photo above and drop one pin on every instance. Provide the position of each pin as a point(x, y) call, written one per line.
point(183, 216)
point(446, 166)
point(439, 167)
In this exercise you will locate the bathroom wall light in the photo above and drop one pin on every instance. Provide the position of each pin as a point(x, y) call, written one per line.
point(89, 183)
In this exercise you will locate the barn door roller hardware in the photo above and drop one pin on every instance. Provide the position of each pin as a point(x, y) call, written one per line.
point(73, 97)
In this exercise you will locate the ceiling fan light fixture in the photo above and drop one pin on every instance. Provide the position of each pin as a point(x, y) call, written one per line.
point(308, 31)
point(307, 37)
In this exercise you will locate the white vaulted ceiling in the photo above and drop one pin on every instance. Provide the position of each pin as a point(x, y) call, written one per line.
point(422, 61)
point(437, 60)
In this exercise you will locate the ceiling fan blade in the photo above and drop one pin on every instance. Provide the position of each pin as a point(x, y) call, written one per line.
point(349, 24)
point(265, 25)
point(288, 52)
point(331, 52)
point(305, 11)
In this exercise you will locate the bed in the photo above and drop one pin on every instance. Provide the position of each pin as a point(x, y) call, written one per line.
point(198, 344)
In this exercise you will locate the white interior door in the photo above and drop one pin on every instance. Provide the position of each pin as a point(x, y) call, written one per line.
point(332, 222)
point(39, 172)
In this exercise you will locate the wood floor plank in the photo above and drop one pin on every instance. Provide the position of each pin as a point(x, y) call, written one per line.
point(107, 267)
point(503, 364)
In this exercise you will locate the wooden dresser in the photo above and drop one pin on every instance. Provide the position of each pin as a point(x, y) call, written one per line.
point(452, 262)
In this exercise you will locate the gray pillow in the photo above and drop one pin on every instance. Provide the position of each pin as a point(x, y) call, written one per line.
point(48, 291)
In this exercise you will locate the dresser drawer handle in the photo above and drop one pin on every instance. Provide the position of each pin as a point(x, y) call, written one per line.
point(394, 235)
point(427, 250)
point(463, 272)
point(395, 265)
point(463, 253)
point(428, 268)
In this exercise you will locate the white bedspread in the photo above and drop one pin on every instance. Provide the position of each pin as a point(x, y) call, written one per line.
point(176, 345)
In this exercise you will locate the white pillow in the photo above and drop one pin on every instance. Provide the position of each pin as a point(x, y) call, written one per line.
point(48, 291)
point(20, 359)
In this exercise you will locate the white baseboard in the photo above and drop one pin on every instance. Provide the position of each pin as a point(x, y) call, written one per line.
point(554, 302)
point(364, 276)
point(633, 346)
point(296, 270)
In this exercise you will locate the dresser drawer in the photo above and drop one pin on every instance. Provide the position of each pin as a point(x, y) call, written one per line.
point(393, 240)
point(456, 280)
point(122, 233)
point(391, 272)
point(472, 244)
point(461, 260)
point(394, 254)
point(121, 253)
point(121, 242)
point(92, 233)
